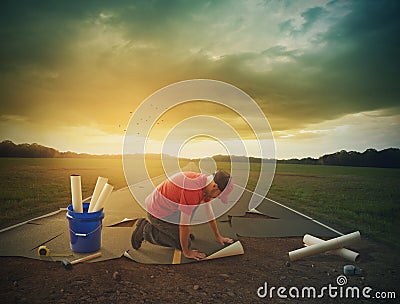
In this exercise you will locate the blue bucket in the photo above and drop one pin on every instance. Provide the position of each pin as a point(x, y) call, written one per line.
point(85, 229)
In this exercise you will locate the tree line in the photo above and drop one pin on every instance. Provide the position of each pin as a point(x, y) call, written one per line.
point(10, 149)
point(387, 158)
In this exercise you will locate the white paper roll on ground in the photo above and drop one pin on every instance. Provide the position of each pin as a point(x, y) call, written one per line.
point(231, 250)
point(329, 245)
point(104, 195)
point(350, 255)
point(101, 181)
point(76, 193)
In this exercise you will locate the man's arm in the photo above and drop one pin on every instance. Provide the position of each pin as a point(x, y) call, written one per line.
point(184, 232)
point(214, 227)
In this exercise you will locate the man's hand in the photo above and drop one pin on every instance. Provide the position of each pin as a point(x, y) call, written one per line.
point(194, 254)
point(224, 240)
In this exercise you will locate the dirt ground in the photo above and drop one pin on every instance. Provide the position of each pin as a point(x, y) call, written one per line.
point(227, 280)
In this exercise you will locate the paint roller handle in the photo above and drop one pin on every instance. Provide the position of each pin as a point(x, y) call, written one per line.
point(87, 258)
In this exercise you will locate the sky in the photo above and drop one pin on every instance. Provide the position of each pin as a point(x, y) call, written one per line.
point(324, 73)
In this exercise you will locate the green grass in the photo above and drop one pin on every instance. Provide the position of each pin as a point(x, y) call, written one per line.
point(354, 198)
point(32, 186)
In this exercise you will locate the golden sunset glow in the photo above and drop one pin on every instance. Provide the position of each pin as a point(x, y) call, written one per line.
point(72, 76)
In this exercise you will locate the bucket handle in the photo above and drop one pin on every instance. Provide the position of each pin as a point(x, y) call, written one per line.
point(85, 234)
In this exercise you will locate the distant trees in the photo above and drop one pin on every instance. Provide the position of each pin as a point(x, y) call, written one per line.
point(388, 158)
point(305, 161)
point(10, 149)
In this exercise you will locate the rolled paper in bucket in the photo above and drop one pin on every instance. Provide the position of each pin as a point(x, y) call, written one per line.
point(76, 193)
point(101, 181)
point(85, 229)
point(103, 198)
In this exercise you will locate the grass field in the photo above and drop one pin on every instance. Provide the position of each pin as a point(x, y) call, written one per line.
point(32, 186)
point(365, 199)
point(355, 198)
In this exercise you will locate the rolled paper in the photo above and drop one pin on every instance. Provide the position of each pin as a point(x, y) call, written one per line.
point(345, 253)
point(329, 245)
point(76, 193)
point(101, 181)
point(104, 195)
point(235, 248)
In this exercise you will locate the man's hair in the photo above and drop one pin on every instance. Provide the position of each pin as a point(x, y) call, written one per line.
point(221, 178)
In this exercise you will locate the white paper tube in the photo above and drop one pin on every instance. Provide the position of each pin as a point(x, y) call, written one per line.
point(76, 193)
point(101, 181)
point(231, 250)
point(345, 253)
point(329, 245)
point(104, 195)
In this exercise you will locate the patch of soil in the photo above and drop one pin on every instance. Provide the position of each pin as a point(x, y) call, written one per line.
point(227, 280)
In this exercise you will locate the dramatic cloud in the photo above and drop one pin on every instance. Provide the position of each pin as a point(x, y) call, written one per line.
point(86, 65)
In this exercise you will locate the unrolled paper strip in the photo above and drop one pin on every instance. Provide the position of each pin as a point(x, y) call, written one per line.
point(329, 245)
point(345, 253)
point(76, 193)
point(101, 181)
point(104, 195)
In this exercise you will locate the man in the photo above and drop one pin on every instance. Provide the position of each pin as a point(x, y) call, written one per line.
point(173, 202)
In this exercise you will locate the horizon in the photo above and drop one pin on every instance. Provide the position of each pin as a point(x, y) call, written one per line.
point(209, 156)
point(320, 71)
